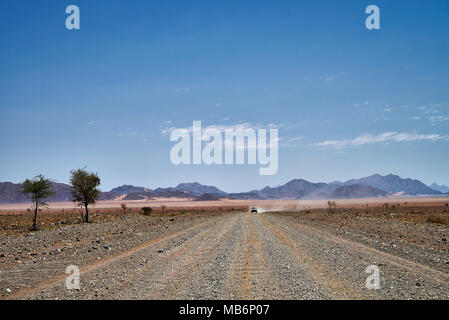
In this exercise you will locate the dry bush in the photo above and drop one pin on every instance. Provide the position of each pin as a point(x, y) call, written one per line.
point(438, 219)
point(147, 210)
point(332, 206)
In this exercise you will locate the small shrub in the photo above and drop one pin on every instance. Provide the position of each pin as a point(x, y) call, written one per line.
point(437, 219)
point(147, 210)
point(163, 209)
point(124, 207)
point(332, 206)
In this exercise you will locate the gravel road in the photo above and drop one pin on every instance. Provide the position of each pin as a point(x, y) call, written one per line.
point(216, 256)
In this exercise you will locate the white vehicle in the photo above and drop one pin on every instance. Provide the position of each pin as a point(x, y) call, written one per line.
point(253, 210)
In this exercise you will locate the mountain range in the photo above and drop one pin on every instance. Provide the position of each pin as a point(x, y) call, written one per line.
point(368, 187)
point(442, 188)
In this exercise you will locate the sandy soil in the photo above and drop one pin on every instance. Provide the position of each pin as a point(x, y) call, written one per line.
point(233, 255)
point(266, 204)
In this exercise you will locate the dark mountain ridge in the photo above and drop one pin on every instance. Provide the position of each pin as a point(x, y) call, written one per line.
point(367, 187)
point(394, 184)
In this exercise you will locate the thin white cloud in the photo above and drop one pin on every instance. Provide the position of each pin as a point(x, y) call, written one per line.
point(223, 127)
point(291, 142)
point(294, 139)
point(358, 104)
point(167, 130)
point(131, 133)
point(438, 118)
point(329, 79)
point(384, 137)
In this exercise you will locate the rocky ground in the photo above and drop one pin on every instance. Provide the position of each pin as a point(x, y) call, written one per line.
point(232, 255)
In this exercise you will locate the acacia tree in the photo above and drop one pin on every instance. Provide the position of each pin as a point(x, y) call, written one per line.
point(39, 189)
point(85, 190)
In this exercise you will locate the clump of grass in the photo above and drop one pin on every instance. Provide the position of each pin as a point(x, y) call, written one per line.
point(438, 219)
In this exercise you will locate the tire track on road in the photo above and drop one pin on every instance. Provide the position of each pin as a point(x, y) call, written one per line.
point(193, 258)
point(59, 280)
point(425, 271)
point(335, 286)
point(249, 274)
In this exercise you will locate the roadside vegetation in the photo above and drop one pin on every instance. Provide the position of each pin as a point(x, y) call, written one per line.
point(18, 221)
point(38, 189)
point(85, 190)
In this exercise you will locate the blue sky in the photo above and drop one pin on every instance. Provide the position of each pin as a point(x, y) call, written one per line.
point(348, 102)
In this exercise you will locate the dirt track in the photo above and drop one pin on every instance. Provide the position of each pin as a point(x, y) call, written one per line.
point(225, 256)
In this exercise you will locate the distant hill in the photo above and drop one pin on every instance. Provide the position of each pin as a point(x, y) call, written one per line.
point(294, 189)
point(145, 195)
point(207, 197)
point(394, 184)
point(245, 195)
point(357, 191)
point(367, 187)
point(183, 190)
point(440, 188)
point(171, 193)
point(197, 189)
point(126, 189)
point(302, 189)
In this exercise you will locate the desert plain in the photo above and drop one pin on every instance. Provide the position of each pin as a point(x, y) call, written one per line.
point(218, 250)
